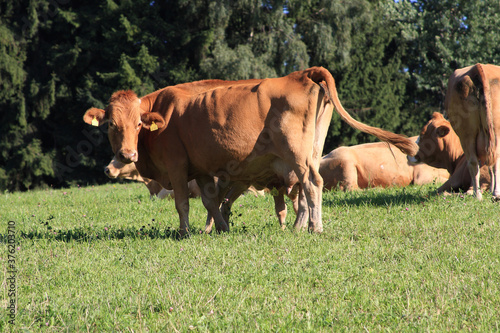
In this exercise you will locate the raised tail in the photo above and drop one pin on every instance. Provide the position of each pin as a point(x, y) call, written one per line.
point(487, 119)
point(323, 77)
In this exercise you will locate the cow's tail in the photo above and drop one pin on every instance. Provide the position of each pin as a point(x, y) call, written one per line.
point(487, 119)
point(323, 77)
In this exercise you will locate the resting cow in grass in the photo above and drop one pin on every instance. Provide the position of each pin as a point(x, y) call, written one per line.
point(244, 131)
point(374, 165)
point(439, 146)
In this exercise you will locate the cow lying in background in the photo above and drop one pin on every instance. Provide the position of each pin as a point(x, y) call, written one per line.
point(472, 104)
point(439, 146)
point(374, 165)
point(116, 169)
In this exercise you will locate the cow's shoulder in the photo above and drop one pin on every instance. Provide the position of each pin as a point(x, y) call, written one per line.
point(170, 98)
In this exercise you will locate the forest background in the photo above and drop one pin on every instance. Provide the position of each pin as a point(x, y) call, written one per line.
point(391, 61)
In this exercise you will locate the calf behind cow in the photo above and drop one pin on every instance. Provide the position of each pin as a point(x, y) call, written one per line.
point(243, 130)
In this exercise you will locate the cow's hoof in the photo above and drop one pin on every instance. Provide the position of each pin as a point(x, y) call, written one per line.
point(297, 227)
point(315, 229)
point(223, 229)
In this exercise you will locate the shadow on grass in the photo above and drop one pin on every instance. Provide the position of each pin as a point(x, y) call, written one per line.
point(88, 234)
point(379, 198)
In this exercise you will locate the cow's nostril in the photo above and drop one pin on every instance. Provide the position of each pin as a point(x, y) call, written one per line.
point(106, 171)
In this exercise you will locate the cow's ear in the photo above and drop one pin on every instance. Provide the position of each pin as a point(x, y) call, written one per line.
point(95, 116)
point(465, 86)
point(152, 121)
point(442, 131)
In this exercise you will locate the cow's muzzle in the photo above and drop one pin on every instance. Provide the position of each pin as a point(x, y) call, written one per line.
point(127, 156)
point(413, 159)
point(107, 171)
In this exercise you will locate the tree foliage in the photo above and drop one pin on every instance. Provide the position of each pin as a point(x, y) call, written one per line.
point(390, 59)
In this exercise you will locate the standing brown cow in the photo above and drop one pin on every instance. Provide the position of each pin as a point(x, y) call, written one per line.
point(246, 130)
point(472, 103)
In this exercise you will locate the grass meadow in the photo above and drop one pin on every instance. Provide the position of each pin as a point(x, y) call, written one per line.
point(107, 258)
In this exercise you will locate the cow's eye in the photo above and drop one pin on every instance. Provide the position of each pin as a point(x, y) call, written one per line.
point(139, 124)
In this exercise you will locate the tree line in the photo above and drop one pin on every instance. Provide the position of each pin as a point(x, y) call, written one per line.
point(390, 59)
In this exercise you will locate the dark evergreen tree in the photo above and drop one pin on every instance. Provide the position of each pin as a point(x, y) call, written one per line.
point(391, 62)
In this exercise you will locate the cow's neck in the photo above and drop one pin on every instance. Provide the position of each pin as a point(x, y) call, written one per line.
point(144, 164)
point(149, 100)
point(455, 152)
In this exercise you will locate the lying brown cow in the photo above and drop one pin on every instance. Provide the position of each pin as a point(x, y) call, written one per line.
point(244, 131)
point(439, 146)
point(472, 104)
point(374, 165)
point(116, 169)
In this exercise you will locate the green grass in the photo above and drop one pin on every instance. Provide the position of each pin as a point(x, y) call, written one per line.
point(107, 258)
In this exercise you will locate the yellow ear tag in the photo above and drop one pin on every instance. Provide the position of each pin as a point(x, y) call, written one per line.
point(153, 126)
point(95, 122)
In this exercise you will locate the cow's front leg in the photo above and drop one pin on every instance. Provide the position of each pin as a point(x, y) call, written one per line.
point(222, 191)
point(235, 191)
point(280, 208)
point(209, 223)
point(211, 201)
point(182, 206)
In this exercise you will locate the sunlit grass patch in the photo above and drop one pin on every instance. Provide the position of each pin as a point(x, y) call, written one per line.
point(109, 258)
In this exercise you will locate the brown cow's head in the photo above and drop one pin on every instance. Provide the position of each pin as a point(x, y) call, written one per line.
point(126, 119)
point(435, 142)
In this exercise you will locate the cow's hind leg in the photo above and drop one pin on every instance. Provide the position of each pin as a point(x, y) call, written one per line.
point(302, 211)
point(475, 174)
point(495, 181)
point(312, 185)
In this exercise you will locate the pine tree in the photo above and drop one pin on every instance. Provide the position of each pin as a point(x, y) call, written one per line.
point(391, 62)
